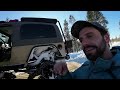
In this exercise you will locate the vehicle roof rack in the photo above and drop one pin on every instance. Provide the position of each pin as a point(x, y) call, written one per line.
point(45, 20)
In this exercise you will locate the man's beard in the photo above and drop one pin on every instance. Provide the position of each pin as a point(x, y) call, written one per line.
point(99, 51)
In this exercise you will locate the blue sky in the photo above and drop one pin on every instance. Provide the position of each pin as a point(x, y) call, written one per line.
point(113, 17)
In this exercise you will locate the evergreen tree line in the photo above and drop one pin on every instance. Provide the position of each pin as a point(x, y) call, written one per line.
point(116, 39)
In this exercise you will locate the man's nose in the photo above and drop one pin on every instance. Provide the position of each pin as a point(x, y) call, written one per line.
point(84, 43)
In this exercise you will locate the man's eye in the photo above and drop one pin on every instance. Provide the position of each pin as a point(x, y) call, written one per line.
point(89, 36)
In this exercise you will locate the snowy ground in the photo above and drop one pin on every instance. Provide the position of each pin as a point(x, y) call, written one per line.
point(115, 44)
point(80, 57)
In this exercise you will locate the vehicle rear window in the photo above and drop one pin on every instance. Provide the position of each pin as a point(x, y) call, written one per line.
point(34, 31)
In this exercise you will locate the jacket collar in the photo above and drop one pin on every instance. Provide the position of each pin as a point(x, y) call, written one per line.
point(102, 65)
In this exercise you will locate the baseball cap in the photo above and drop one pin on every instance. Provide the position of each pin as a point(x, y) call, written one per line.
point(78, 25)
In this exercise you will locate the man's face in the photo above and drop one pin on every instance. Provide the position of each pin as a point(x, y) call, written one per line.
point(93, 44)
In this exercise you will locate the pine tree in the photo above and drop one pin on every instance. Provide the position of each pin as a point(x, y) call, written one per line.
point(90, 15)
point(76, 46)
point(71, 19)
point(7, 19)
point(66, 30)
point(97, 16)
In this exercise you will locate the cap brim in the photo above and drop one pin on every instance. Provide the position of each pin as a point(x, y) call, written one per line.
point(77, 26)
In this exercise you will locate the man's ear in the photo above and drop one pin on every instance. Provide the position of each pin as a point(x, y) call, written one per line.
point(107, 37)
